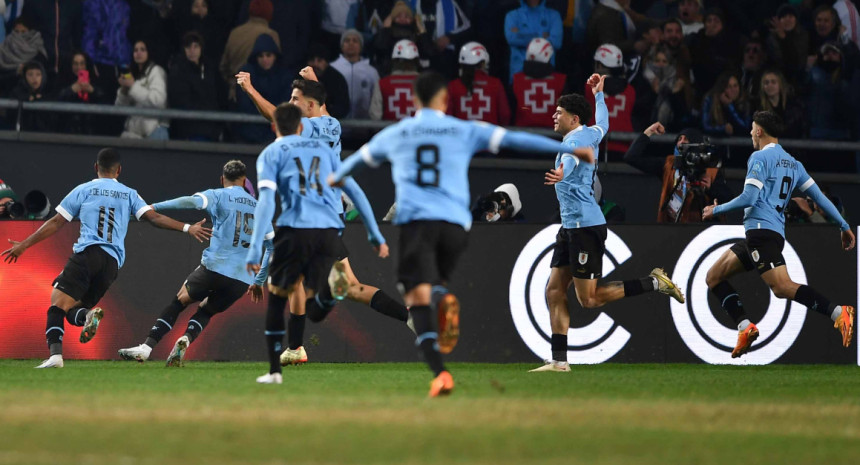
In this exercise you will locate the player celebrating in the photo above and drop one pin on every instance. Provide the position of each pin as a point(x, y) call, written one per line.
point(429, 155)
point(772, 175)
point(104, 206)
point(221, 279)
point(308, 239)
point(579, 247)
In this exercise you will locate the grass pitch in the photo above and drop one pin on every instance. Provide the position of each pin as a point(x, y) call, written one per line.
point(214, 413)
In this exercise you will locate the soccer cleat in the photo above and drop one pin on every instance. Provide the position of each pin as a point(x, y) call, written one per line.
point(552, 365)
point(442, 385)
point(845, 324)
point(270, 378)
point(410, 323)
point(139, 353)
point(666, 286)
point(91, 324)
point(338, 281)
point(177, 354)
point(294, 356)
point(745, 339)
point(54, 361)
point(449, 323)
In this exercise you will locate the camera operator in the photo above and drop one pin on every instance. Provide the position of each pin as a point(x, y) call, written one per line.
point(503, 204)
point(692, 177)
point(9, 208)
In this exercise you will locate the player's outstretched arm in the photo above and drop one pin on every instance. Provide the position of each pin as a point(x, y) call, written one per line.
point(48, 229)
point(263, 213)
point(196, 230)
point(746, 199)
point(352, 164)
point(359, 199)
point(255, 290)
point(265, 107)
point(819, 198)
point(196, 201)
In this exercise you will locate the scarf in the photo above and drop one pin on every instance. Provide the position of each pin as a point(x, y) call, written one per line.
point(20, 48)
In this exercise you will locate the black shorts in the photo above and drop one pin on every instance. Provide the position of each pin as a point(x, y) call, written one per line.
point(342, 252)
point(429, 251)
point(303, 252)
point(762, 250)
point(88, 275)
point(221, 291)
point(582, 249)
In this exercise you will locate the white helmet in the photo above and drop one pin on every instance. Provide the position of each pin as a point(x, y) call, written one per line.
point(473, 53)
point(539, 50)
point(404, 50)
point(609, 55)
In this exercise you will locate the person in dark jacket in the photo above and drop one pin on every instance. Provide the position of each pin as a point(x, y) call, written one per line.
point(61, 25)
point(76, 86)
point(33, 87)
point(337, 92)
point(271, 80)
point(714, 50)
point(192, 85)
point(399, 24)
point(210, 19)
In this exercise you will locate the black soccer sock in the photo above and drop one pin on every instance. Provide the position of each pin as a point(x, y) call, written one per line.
point(319, 306)
point(165, 322)
point(77, 316)
point(54, 330)
point(813, 300)
point(198, 323)
point(275, 331)
point(730, 301)
point(382, 303)
point(296, 331)
point(427, 336)
point(638, 286)
point(559, 347)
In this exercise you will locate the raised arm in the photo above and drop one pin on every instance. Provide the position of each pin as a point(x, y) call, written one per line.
point(164, 222)
point(265, 107)
point(48, 229)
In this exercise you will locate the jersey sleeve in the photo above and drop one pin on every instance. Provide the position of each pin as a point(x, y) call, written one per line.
point(210, 200)
point(485, 136)
point(138, 205)
point(756, 170)
point(804, 180)
point(310, 128)
point(267, 170)
point(70, 207)
point(374, 152)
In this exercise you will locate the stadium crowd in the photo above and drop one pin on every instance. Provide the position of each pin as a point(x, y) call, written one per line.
point(683, 63)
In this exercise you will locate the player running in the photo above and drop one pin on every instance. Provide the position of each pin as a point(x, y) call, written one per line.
point(104, 206)
point(221, 278)
point(772, 175)
point(430, 155)
point(578, 255)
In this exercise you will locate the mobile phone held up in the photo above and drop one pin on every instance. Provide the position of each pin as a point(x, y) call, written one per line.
point(83, 76)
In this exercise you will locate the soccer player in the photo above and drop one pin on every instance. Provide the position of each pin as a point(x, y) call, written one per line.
point(772, 176)
point(307, 242)
point(430, 155)
point(578, 255)
point(104, 206)
point(309, 95)
point(221, 278)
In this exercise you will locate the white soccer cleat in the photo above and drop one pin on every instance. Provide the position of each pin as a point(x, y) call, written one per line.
point(139, 353)
point(54, 361)
point(338, 281)
point(270, 378)
point(552, 365)
point(177, 354)
point(294, 357)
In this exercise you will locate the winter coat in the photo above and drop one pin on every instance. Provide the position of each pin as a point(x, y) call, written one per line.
point(240, 43)
point(60, 22)
point(712, 56)
point(360, 79)
point(150, 91)
point(337, 92)
point(530, 23)
point(272, 84)
point(31, 120)
point(193, 87)
point(105, 26)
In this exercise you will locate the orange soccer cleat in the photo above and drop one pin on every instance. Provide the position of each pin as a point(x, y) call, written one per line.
point(449, 323)
point(745, 339)
point(845, 324)
point(442, 385)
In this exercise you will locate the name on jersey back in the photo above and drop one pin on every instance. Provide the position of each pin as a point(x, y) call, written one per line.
point(109, 193)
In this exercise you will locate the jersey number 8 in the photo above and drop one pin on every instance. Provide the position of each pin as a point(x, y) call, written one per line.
point(427, 157)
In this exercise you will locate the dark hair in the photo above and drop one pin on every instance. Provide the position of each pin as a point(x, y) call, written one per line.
point(427, 85)
point(672, 20)
point(836, 21)
point(32, 65)
point(287, 118)
point(311, 89)
point(191, 37)
point(108, 160)
point(576, 104)
point(139, 72)
point(318, 50)
point(24, 21)
point(233, 170)
point(468, 76)
point(770, 122)
point(717, 110)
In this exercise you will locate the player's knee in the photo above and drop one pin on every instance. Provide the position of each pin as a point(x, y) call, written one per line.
point(554, 293)
point(713, 277)
point(782, 290)
point(589, 301)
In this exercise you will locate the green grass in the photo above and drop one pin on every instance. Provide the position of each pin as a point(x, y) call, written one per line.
point(214, 413)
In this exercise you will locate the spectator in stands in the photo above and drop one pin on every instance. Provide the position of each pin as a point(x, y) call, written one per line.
point(826, 29)
point(829, 90)
point(369, 17)
point(271, 79)
point(76, 86)
point(532, 19)
point(360, 76)
point(337, 17)
point(610, 23)
point(714, 50)
point(337, 92)
point(690, 14)
point(725, 111)
point(291, 19)
point(242, 39)
point(7, 198)
point(105, 40)
point(151, 21)
point(476, 95)
point(673, 43)
point(674, 95)
point(192, 85)
point(400, 24)
point(775, 94)
point(619, 94)
point(788, 43)
point(22, 45)
point(212, 24)
point(32, 87)
point(753, 64)
point(392, 95)
point(144, 86)
point(447, 22)
point(538, 86)
point(848, 15)
point(60, 24)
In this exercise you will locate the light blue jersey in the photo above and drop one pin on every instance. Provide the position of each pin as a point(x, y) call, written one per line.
point(575, 194)
point(104, 206)
point(324, 128)
point(297, 168)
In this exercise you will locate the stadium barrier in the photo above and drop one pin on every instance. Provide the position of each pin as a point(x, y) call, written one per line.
point(500, 282)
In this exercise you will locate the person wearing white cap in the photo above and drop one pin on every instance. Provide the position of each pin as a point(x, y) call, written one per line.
point(392, 95)
point(532, 19)
point(620, 95)
point(476, 95)
point(360, 76)
point(503, 204)
point(538, 86)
